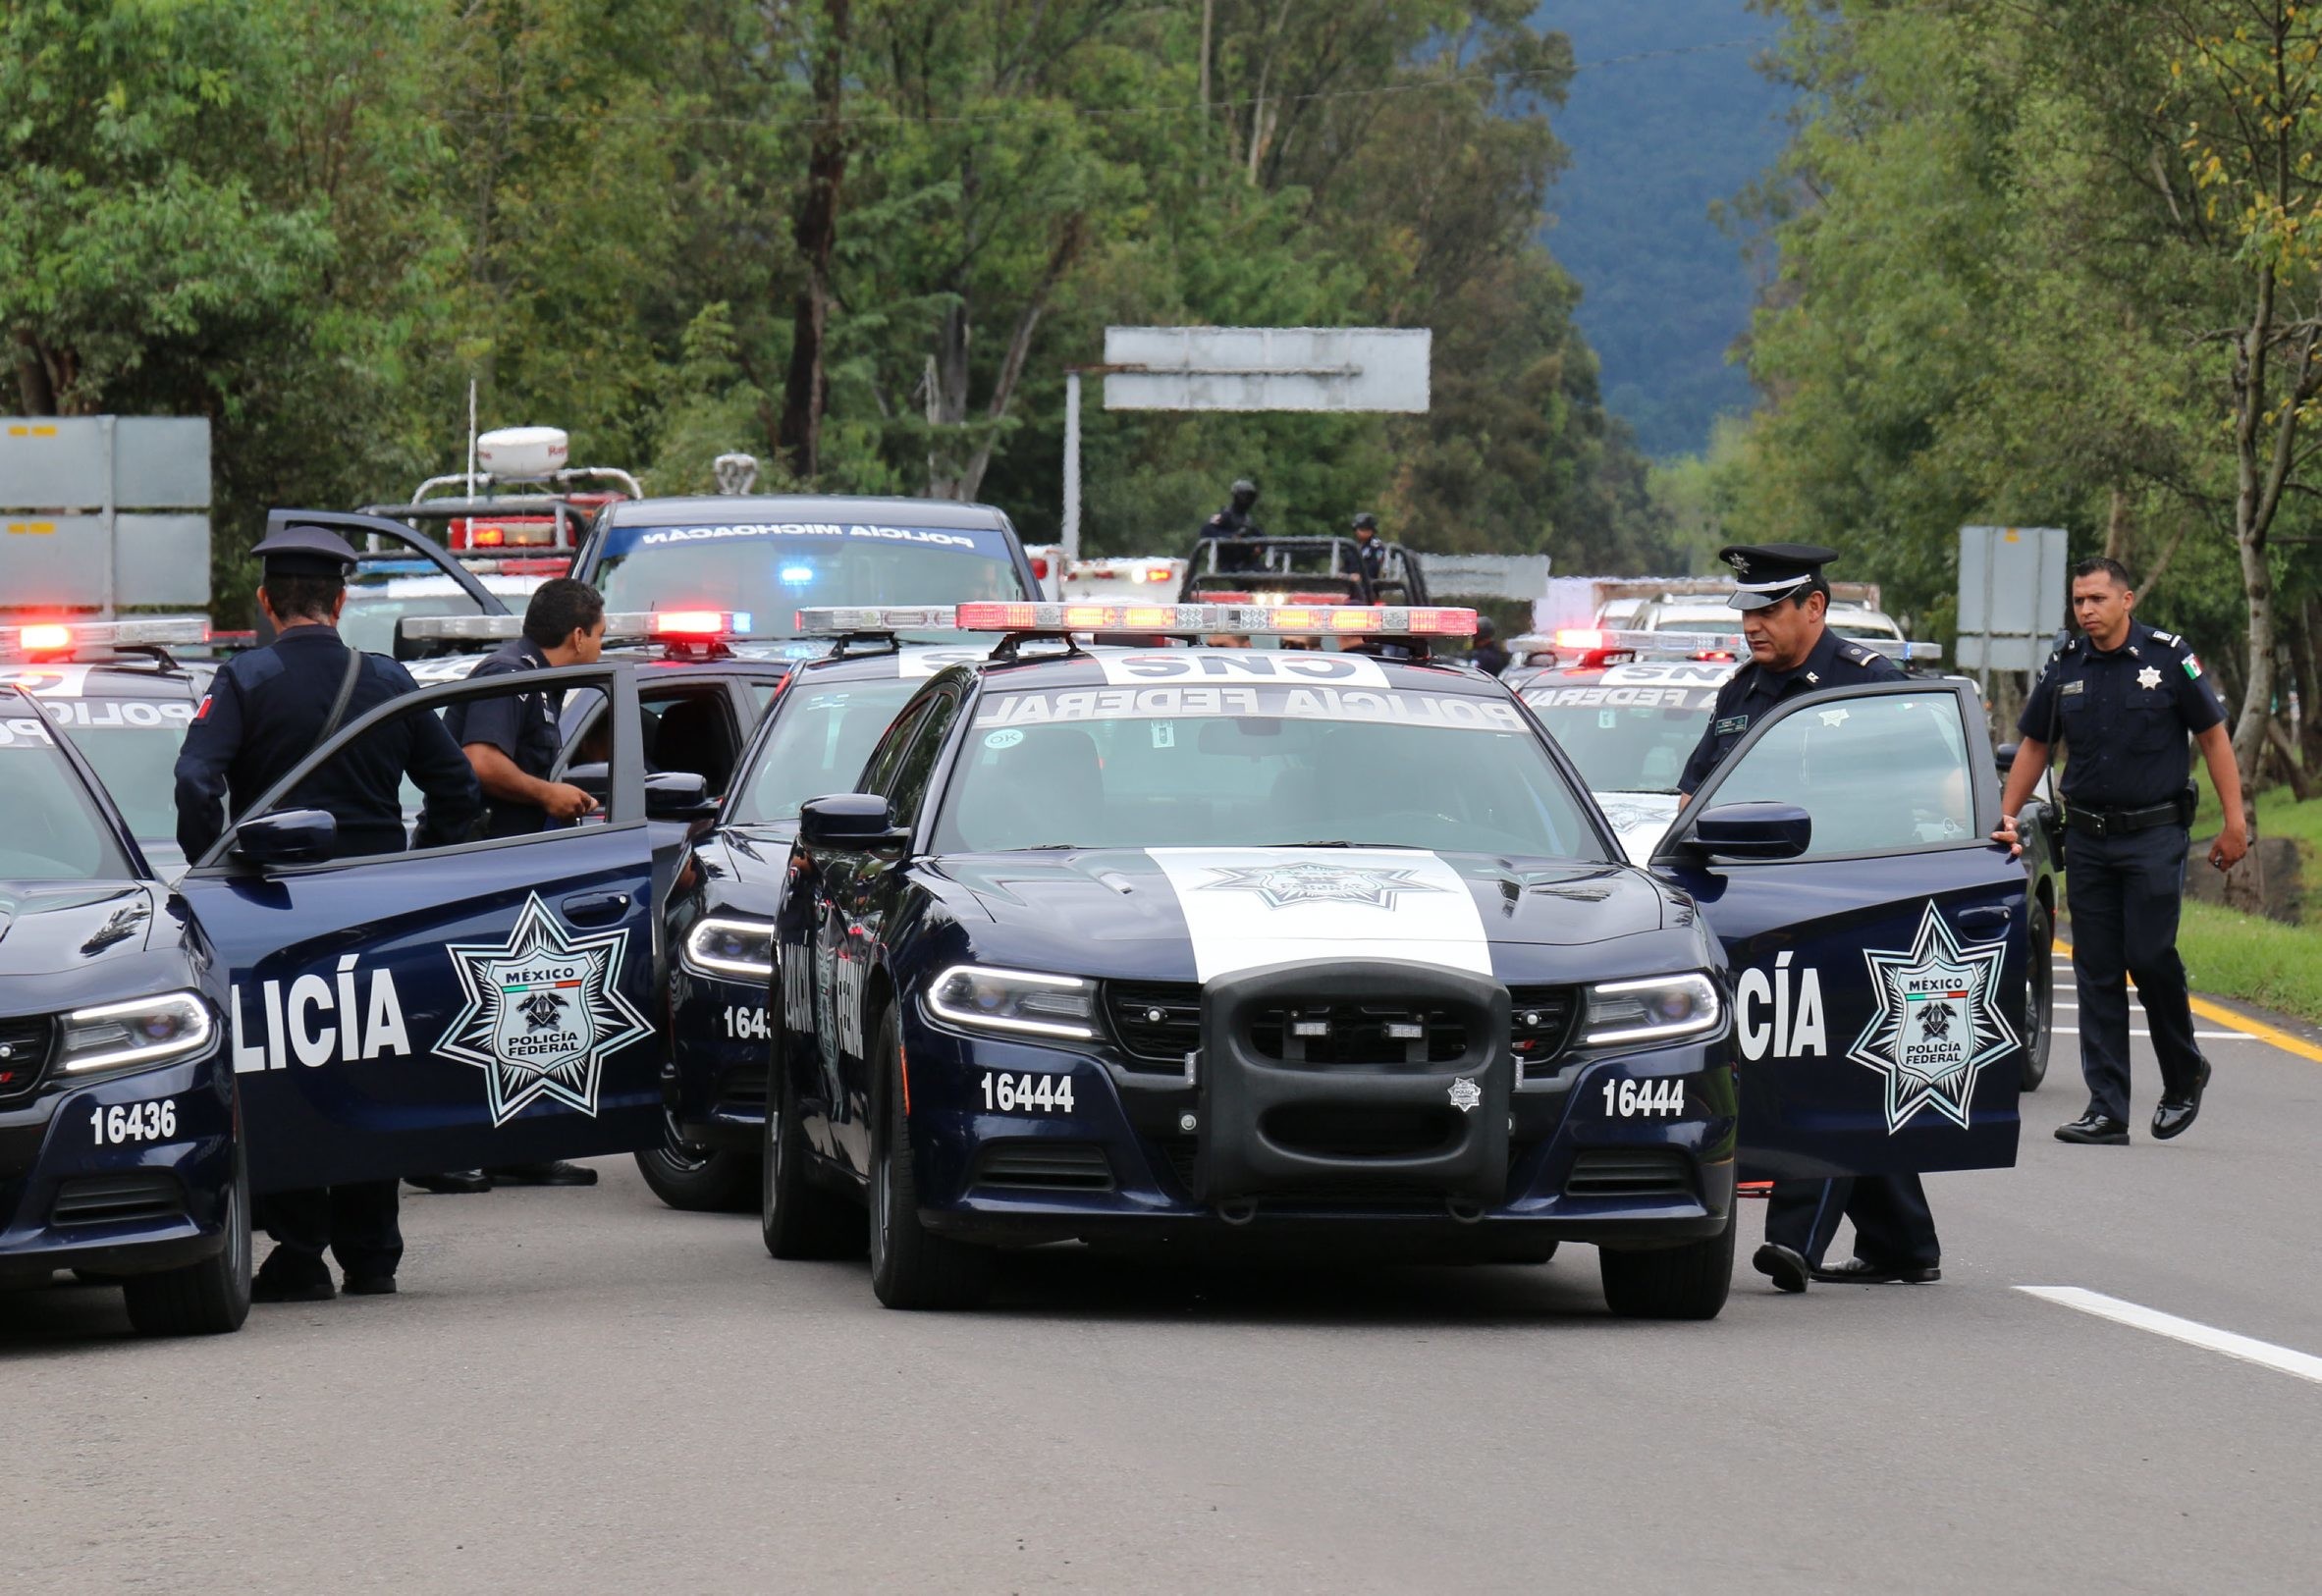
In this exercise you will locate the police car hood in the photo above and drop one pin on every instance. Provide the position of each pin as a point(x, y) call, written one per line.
point(1151, 913)
point(82, 940)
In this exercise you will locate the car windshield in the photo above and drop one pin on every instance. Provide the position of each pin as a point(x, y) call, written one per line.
point(768, 571)
point(373, 608)
point(820, 738)
point(1256, 767)
point(1624, 738)
point(50, 827)
point(137, 764)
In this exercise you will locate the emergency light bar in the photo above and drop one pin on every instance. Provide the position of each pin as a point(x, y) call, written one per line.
point(1597, 640)
point(861, 619)
point(672, 625)
point(66, 637)
point(1220, 619)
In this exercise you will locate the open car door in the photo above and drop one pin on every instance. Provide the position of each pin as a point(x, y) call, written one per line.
point(1879, 973)
point(470, 1004)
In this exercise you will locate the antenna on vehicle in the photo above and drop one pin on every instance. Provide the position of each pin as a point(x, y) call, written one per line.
point(735, 472)
point(472, 437)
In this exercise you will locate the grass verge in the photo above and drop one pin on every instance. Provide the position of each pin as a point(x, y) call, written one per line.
point(2255, 960)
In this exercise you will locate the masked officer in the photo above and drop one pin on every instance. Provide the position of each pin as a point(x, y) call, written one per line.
point(512, 740)
point(2125, 697)
point(1369, 556)
point(1235, 521)
point(1485, 652)
point(1782, 594)
point(266, 710)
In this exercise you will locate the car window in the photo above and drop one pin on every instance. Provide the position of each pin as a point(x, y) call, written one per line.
point(51, 828)
point(1634, 739)
point(132, 746)
point(1262, 766)
point(909, 791)
point(879, 772)
point(1875, 773)
point(689, 729)
point(820, 741)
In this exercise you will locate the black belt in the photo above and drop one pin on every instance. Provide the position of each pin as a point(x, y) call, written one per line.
point(2112, 822)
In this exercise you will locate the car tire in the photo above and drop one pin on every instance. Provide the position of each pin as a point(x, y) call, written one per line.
point(2040, 997)
point(1688, 1282)
point(695, 1179)
point(797, 1219)
point(910, 1268)
point(208, 1299)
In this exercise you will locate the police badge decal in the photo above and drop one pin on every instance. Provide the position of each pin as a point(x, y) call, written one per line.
point(544, 1011)
point(1937, 1024)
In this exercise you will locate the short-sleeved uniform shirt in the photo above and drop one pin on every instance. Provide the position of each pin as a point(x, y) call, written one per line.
point(265, 712)
point(1752, 690)
point(522, 726)
point(2124, 717)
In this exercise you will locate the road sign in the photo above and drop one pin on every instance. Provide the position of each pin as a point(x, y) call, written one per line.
point(98, 511)
point(1267, 368)
point(2012, 595)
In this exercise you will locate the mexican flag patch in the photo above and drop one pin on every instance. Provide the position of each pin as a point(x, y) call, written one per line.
point(2192, 665)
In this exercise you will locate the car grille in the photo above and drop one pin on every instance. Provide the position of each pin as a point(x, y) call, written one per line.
point(1384, 1033)
point(1540, 1026)
point(112, 1199)
point(1156, 1023)
point(1621, 1173)
point(1043, 1165)
point(24, 1044)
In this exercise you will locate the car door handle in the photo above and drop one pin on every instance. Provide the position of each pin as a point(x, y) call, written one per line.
point(1989, 915)
point(595, 908)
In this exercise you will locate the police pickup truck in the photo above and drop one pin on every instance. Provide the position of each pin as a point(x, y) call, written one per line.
point(1178, 946)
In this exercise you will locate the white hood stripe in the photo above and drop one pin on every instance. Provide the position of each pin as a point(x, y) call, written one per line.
point(1249, 907)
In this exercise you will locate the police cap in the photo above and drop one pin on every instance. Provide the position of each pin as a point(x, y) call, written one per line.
point(1366, 523)
point(1766, 573)
point(1243, 485)
point(305, 551)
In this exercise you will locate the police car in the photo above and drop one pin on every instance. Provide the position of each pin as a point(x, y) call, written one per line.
point(1631, 717)
point(117, 1153)
point(813, 740)
point(1179, 944)
point(124, 694)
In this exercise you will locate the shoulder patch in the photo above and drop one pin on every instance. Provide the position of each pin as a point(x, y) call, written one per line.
point(1855, 654)
point(2170, 638)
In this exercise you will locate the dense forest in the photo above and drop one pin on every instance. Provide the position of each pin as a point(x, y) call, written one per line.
point(2048, 263)
point(860, 239)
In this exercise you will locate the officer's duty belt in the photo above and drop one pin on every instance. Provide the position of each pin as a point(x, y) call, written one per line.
point(2112, 822)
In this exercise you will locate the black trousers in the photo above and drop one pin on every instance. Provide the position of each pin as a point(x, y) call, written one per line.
point(1893, 1225)
point(358, 1224)
point(2125, 893)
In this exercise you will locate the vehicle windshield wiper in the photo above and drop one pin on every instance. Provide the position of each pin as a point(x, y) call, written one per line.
point(1337, 842)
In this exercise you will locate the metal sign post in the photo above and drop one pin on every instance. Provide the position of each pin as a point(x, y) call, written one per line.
point(1335, 369)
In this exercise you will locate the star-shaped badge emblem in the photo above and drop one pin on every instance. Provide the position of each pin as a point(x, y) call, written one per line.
point(544, 1010)
point(2148, 678)
point(1312, 881)
point(1938, 1022)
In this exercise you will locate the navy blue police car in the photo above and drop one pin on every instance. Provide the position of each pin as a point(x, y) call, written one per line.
point(720, 922)
point(1145, 945)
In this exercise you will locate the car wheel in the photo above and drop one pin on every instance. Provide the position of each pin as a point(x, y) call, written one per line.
point(1688, 1282)
point(910, 1268)
point(205, 1298)
point(2040, 997)
point(797, 1219)
point(695, 1178)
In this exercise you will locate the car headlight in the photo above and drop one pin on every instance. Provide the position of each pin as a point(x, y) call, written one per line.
point(134, 1034)
point(739, 949)
point(1660, 1008)
point(1023, 1001)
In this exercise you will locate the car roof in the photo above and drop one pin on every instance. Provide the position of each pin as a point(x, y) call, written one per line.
point(750, 510)
point(126, 677)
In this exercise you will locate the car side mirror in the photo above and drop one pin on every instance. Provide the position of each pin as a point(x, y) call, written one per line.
point(850, 820)
point(678, 795)
point(2005, 755)
point(287, 836)
point(1752, 831)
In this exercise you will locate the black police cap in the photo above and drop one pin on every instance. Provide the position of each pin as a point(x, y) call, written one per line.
point(1766, 573)
point(1366, 523)
point(305, 551)
point(1243, 485)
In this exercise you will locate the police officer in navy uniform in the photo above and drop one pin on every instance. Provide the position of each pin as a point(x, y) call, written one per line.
point(1484, 652)
point(266, 710)
point(1782, 594)
point(1369, 556)
point(513, 741)
point(1234, 523)
point(2123, 698)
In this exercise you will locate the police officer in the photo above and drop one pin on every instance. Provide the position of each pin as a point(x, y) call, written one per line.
point(1235, 521)
point(2124, 697)
point(1369, 556)
point(1485, 653)
point(512, 740)
point(266, 710)
point(1783, 598)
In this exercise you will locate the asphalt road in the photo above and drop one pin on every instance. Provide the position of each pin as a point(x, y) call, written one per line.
point(581, 1391)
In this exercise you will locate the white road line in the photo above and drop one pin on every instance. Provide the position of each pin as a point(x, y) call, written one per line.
point(2306, 1365)
point(2204, 1036)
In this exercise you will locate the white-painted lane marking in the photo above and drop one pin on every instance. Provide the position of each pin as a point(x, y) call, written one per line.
point(2306, 1365)
point(2205, 1036)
